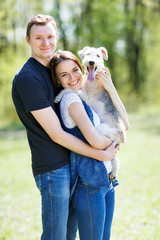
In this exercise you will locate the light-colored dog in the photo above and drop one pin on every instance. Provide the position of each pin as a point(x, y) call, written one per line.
point(99, 100)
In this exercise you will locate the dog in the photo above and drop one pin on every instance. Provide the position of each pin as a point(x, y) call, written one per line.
point(99, 100)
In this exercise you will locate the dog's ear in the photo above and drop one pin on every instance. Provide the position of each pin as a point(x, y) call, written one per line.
point(81, 52)
point(104, 53)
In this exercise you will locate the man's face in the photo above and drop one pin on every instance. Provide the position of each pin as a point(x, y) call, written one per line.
point(43, 42)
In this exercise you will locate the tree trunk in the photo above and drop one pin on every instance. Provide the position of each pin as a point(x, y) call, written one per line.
point(57, 4)
point(134, 43)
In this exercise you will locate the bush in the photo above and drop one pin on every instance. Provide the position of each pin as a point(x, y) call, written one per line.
point(9, 64)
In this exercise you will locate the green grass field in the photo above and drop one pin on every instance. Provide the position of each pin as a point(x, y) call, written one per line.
point(137, 212)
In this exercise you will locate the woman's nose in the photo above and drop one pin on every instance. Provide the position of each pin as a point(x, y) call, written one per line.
point(71, 76)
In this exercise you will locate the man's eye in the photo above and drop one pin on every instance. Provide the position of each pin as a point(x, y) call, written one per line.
point(51, 36)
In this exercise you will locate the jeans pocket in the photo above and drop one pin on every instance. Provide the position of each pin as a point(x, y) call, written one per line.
point(93, 190)
point(38, 181)
point(42, 181)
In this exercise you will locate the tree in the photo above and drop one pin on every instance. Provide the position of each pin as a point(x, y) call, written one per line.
point(96, 24)
point(134, 32)
point(60, 24)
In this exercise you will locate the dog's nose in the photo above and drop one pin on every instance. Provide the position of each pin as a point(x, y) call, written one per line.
point(91, 63)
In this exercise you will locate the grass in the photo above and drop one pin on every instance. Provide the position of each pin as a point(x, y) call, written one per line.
point(19, 197)
point(137, 212)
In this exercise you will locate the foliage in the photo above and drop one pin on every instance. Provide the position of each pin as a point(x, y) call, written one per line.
point(128, 29)
point(9, 64)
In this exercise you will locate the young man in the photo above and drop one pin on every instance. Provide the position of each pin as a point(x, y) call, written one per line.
point(33, 96)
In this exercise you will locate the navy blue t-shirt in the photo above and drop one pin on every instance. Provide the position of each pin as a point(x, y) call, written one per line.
point(32, 89)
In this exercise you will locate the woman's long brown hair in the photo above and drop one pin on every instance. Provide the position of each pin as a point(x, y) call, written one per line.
point(59, 57)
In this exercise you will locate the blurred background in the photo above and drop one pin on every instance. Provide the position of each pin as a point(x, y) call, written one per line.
point(130, 31)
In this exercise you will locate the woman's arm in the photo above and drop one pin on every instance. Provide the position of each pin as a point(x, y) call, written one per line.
point(107, 83)
point(48, 119)
point(80, 117)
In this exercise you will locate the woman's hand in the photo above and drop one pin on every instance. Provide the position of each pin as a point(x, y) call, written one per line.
point(104, 79)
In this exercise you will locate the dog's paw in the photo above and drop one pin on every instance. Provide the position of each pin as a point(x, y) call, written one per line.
point(115, 166)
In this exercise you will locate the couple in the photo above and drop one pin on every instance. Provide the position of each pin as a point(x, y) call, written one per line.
point(92, 207)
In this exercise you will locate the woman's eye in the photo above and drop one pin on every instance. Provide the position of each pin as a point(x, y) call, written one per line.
point(75, 70)
point(64, 75)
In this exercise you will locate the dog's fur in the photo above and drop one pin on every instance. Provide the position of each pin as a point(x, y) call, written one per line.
point(98, 99)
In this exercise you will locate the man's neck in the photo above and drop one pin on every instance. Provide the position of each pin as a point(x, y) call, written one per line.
point(44, 62)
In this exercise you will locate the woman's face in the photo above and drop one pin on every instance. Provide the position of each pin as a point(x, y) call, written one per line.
point(69, 75)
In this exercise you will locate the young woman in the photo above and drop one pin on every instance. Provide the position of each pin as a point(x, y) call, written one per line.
point(92, 192)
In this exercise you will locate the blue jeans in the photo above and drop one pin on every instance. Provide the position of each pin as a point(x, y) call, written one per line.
point(94, 208)
point(54, 187)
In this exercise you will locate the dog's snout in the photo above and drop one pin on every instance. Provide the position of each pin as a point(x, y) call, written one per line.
point(91, 63)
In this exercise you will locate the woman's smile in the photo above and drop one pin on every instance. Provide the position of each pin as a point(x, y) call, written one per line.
point(73, 83)
point(69, 75)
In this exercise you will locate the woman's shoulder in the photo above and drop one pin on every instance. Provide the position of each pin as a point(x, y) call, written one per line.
point(67, 94)
point(70, 97)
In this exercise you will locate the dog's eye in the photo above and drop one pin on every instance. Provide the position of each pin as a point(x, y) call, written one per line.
point(98, 56)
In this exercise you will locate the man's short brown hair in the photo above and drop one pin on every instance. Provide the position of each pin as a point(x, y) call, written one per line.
point(41, 19)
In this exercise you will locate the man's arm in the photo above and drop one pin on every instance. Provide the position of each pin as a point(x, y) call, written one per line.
point(48, 119)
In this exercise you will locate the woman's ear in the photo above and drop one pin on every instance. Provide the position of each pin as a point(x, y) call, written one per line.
point(59, 84)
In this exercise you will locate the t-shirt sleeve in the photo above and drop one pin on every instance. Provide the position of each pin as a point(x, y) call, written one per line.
point(32, 92)
point(66, 101)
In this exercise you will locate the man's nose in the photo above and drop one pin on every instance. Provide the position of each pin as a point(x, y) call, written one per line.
point(45, 41)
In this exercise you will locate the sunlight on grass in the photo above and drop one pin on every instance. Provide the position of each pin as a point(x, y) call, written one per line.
point(19, 198)
point(137, 213)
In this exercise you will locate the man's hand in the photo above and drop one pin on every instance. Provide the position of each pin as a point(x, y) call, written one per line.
point(111, 151)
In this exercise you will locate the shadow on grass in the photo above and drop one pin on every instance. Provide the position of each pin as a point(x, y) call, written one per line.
point(149, 123)
point(13, 129)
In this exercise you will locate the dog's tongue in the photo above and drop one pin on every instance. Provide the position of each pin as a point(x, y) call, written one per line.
point(91, 74)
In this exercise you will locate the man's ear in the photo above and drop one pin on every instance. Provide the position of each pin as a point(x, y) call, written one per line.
point(28, 40)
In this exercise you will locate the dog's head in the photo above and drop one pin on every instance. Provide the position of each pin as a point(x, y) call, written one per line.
point(93, 60)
